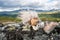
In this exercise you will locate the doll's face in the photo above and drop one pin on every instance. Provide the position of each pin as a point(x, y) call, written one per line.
point(34, 21)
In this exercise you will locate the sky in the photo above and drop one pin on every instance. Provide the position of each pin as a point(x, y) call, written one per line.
point(11, 5)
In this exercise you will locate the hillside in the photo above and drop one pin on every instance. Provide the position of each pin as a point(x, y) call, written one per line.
point(51, 16)
point(9, 16)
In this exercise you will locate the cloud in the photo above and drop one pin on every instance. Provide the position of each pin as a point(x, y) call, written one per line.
point(50, 5)
point(8, 9)
point(30, 2)
point(36, 4)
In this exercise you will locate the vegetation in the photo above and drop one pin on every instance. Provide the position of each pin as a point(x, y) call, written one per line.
point(50, 16)
point(12, 19)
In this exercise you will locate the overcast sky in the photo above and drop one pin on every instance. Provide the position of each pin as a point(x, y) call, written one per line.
point(11, 5)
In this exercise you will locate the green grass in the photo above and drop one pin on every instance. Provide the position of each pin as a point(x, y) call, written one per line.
point(49, 19)
point(50, 16)
point(5, 19)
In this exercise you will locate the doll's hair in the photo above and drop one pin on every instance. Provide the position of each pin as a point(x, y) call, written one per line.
point(27, 15)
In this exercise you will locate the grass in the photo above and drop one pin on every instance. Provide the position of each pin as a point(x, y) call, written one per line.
point(5, 19)
point(12, 19)
point(44, 16)
point(50, 19)
point(50, 16)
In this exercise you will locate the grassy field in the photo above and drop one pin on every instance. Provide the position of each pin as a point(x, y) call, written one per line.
point(6, 19)
point(50, 16)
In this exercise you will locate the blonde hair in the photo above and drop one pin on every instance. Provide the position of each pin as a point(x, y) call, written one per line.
point(27, 15)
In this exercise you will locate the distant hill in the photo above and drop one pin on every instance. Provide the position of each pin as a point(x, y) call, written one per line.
point(52, 16)
point(15, 13)
point(55, 14)
point(9, 14)
point(44, 15)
